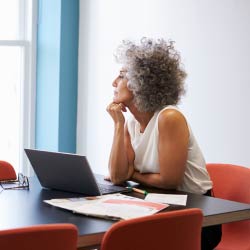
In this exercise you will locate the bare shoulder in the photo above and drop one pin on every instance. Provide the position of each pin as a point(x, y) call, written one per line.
point(171, 118)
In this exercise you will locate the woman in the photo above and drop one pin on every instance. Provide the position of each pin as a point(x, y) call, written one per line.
point(156, 146)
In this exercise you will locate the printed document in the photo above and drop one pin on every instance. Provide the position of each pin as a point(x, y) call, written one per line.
point(112, 206)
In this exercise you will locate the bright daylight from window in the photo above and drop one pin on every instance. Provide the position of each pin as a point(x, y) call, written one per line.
point(11, 79)
point(10, 64)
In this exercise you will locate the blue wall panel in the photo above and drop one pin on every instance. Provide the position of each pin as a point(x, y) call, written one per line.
point(57, 57)
point(68, 75)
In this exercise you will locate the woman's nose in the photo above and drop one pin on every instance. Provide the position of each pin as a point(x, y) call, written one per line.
point(114, 84)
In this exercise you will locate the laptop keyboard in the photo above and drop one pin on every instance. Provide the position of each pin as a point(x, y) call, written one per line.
point(109, 188)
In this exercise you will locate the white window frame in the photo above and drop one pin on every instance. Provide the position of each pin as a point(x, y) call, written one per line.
point(28, 28)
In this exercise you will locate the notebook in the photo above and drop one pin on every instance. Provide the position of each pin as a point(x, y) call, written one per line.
point(69, 172)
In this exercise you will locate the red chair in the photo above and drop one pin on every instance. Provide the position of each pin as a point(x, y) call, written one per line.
point(40, 237)
point(232, 182)
point(174, 230)
point(7, 172)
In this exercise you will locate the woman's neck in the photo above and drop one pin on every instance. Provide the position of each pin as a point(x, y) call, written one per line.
point(142, 117)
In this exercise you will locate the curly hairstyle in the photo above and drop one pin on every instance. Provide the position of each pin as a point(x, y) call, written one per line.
point(154, 72)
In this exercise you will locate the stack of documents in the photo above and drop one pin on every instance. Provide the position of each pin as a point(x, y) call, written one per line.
point(112, 206)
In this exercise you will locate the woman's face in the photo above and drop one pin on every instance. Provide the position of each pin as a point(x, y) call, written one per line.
point(121, 92)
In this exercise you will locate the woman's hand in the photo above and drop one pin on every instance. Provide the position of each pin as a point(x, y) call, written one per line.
point(115, 110)
point(107, 178)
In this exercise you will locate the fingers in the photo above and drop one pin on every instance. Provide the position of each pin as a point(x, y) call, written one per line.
point(107, 178)
point(116, 107)
point(115, 110)
point(123, 107)
point(111, 107)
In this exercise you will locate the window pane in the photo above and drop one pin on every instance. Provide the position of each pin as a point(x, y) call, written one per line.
point(9, 19)
point(10, 81)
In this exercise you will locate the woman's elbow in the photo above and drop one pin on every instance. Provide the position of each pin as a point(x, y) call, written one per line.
point(171, 183)
point(169, 186)
point(117, 180)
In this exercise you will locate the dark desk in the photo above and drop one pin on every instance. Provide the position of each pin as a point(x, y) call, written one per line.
point(20, 208)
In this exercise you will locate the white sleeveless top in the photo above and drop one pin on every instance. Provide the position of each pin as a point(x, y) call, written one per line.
point(145, 145)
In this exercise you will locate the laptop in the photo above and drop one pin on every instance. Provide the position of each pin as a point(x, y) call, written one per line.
point(69, 172)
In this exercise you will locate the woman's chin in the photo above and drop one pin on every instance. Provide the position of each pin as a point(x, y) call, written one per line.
point(116, 100)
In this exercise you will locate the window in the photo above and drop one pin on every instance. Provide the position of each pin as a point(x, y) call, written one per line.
point(17, 79)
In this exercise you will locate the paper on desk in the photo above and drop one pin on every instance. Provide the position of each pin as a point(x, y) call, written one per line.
point(114, 206)
point(69, 203)
point(175, 199)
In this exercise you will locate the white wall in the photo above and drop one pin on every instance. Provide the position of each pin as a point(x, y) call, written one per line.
point(213, 38)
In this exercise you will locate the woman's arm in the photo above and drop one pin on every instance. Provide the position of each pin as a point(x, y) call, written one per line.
point(172, 152)
point(120, 165)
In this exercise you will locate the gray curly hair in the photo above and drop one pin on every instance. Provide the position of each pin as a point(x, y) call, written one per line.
point(154, 72)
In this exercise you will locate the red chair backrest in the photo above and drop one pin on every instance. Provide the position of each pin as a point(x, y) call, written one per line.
point(231, 182)
point(7, 172)
point(172, 230)
point(40, 237)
